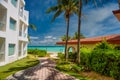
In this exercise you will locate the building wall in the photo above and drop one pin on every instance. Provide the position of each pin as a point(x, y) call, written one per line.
point(91, 46)
point(12, 36)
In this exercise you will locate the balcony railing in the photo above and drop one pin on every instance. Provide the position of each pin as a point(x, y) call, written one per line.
point(2, 56)
point(20, 53)
point(6, 0)
point(24, 14)
point(20, 33)
point(2, 26)
point(25, 51)
point(25, 35)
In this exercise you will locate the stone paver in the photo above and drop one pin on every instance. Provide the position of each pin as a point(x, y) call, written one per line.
point(43, 71)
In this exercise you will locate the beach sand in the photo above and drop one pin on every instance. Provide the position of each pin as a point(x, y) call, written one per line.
point(53, 54)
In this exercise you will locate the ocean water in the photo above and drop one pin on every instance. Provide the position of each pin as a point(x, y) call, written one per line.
point(49, 48)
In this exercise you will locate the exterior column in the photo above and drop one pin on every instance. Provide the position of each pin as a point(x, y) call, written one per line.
point(22, 51)
point(22, 30)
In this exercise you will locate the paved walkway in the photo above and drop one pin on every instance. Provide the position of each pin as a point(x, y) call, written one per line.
point(43, 71)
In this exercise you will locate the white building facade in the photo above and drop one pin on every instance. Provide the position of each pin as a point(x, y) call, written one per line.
point(13, 30)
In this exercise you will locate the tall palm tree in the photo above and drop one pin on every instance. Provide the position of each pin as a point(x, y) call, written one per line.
point(79, 25)
point(80, 5)
point(68, 7)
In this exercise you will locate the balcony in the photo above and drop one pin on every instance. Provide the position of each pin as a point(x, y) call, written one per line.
point(6, 0)
point(2, 26)
point(3, 17)
point(24, 15)
point(24, 35)
point(2, 50)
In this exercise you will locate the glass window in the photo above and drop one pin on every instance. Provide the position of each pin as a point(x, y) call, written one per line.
point(12, 24)
point(11, 49)
point(14, 2)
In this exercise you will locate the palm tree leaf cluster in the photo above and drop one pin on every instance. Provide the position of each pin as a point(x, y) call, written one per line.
point(69, 8)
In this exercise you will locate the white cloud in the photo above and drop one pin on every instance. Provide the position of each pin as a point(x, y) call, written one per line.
point(48, 37)
point(33, 38)
point(100, 21)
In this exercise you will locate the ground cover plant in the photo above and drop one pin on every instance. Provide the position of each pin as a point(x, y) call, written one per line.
point(37, 52)
point(16, 66)
point(101, 62)
point(103, 59)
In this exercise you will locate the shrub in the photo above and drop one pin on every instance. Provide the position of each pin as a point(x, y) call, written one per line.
point(102, 59)
point(103, 45)
point(77, 68)
point(85, 57)
point(61, 55)
point(37, 52)
point(72, 56)
point(63, 65)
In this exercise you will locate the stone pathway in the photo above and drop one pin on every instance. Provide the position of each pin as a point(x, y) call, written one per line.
point(43, 71)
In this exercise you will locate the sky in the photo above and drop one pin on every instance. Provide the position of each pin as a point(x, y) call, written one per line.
point(96, 21)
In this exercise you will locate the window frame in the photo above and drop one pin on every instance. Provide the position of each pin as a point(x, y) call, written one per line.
point(12, 2)
point(11, 53)
point(13, 21)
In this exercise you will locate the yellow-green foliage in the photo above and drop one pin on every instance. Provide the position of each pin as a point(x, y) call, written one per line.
point(37, 52)
point(102, 59)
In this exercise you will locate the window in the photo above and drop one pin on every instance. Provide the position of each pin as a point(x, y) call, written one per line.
point(14, 2)
point(11, 49)
point(12, 24)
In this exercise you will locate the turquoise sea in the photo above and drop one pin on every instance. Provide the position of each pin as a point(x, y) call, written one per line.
point(49, 48)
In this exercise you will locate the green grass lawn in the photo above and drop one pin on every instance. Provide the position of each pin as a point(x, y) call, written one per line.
point(16, 66)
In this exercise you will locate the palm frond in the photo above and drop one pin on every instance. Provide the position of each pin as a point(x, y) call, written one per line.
point(51, 9)
point(32, 26)
point(56, 15)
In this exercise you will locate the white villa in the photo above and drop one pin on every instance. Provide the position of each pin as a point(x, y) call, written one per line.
point(13, 30)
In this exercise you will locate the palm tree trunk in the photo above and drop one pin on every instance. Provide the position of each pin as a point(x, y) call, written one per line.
point(119, 3)
point(79, 25)
point(67, 32)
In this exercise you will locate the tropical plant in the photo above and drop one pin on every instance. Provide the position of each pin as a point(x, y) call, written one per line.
point(68, 7)
point(63, 38)
point(76, 36)
point(33, 27)
point(80, 5)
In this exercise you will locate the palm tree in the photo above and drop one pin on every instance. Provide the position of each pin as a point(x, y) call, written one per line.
point(63, 38)
point(32, 26)
point(68, 7)
point(76, 36)
point(79, 25)
point(80, 5)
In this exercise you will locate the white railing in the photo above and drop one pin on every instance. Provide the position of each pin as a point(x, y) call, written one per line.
point(25, 51)
point(2, 56)
point(20, 33)
point(24, 14)
point(24, 35)
point(6, 0)
point(20, 53)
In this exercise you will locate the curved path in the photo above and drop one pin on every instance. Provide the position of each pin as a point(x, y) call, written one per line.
point(43, 71)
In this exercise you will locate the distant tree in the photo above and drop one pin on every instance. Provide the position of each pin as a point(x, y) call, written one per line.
point(76, 36)
point(63, 38)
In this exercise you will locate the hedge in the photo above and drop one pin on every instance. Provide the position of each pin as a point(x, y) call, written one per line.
point(102, 59)
point(39, 53)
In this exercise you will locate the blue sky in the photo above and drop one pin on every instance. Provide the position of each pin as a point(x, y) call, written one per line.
point(97, 21)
